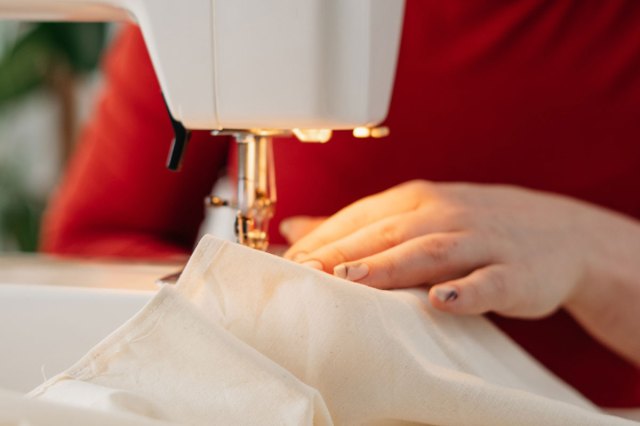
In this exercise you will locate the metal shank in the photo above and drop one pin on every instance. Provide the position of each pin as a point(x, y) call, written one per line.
point(255, 196)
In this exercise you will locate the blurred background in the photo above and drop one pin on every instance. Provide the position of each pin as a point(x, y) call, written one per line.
point(49, 76)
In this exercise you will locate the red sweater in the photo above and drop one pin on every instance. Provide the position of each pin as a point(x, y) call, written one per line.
point(544, 94)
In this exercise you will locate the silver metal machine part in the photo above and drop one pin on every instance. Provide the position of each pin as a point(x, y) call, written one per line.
point(255, 197)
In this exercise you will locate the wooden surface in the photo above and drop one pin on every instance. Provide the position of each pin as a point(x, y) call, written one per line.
point(46, 270)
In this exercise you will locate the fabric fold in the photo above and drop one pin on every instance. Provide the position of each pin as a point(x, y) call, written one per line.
point(170, 363)
point(249, 338)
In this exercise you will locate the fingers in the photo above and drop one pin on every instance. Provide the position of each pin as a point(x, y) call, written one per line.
point(424, 260)
point(376, 238)
point(400, 199)
point(294, 228)
point(492, 288)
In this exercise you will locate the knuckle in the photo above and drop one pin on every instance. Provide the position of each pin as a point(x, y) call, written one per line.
point(360, 212)
point(312, 242)
point(438, 250)
point(389, 267)
point(335, 255)
point(414, 184)
point(495, 228)
point(306, 245)
point(500, 293)
point(391, 234)
point(417, 187)
point(462, 218)
point(474, 294)
point(498, 281)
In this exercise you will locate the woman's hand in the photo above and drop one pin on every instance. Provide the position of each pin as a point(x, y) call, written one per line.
point(480, 248)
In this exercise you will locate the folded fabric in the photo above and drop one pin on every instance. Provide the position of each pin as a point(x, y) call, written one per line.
point(16, 410)
point(170, 363)
point(249, 338)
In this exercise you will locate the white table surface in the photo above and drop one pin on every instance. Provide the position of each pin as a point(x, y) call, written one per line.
point(53, 310)
point(49, 270)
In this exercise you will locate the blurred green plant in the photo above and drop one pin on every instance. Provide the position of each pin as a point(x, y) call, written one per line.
point(32, 60)
point(46, 56)
point(20, 214)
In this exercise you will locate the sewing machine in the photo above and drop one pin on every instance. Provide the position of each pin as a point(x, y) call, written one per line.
point(256, 69)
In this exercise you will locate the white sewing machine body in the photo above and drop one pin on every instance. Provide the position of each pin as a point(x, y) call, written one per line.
point(255, 69)
point(257, 64)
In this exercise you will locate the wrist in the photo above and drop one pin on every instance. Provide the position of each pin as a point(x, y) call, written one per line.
point(607, 300)
point(610, 267)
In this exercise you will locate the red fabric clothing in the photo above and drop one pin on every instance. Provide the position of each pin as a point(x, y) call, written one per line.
point(539, 93)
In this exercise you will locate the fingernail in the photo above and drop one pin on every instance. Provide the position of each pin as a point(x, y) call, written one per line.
point(298, 257)
point(313, 264)
point(352, 272)
point(285, 228)
point(340, 271)
point(445, 293)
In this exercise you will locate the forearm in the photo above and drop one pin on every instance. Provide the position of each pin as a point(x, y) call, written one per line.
point(607, 301)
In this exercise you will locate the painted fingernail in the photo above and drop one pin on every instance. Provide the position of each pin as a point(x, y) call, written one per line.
point(340, 271)
point(352, 272)
point(299, 257)
point(313, 264)
point(445, 293)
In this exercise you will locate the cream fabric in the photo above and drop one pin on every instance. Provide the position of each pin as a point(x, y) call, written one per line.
point(16, 410)
point(248, 338)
